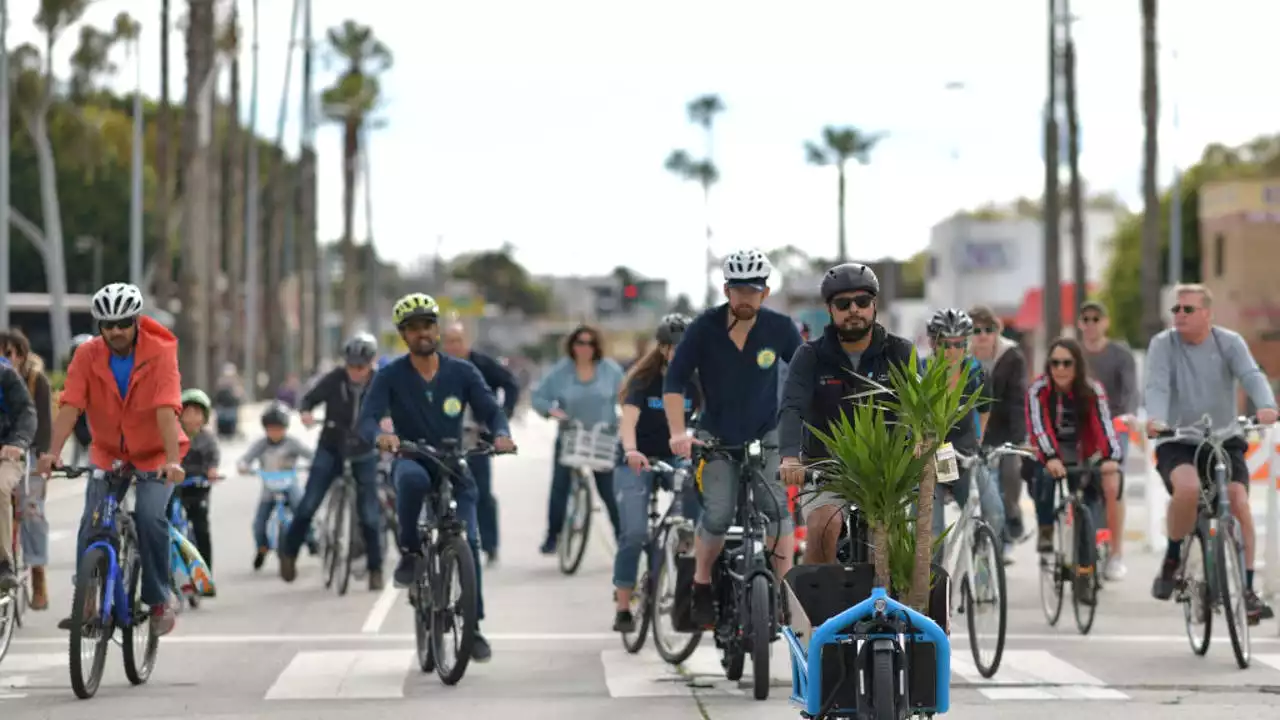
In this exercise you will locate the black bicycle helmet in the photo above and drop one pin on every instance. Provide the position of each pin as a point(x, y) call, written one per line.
point(849, 277)
point(275, 414)
point(672, 328)
point(360, 350)
point(950, 322)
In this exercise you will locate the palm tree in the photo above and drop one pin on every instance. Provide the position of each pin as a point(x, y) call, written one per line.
point(839, 145)
point(702, 111)
point(195, 272)
point(350, 101)
point(232, 164)
point(1150, 276)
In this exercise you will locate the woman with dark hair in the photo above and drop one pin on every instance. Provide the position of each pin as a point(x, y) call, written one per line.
point(582, 388)
point(1070, 424)
point(644, 434)
point(15, 346)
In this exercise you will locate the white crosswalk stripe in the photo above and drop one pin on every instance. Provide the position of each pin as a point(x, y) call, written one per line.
point(343, 674)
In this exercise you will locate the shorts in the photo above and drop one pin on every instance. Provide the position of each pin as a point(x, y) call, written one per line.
point(720, 486)
point(1172, 454)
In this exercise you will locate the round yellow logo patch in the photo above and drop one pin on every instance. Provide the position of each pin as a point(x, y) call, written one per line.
point(765, 358)
point(452, 406)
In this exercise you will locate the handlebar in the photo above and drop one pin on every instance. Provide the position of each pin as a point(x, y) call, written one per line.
point(71, 471)
point(1008, 450)
point(451, 450)
point(1203, 431)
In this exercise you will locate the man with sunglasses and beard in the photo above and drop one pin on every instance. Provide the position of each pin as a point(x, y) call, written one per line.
point(126, 380)
point(853, 352)
point(425, 393)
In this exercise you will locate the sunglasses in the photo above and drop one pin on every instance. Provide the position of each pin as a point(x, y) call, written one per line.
point(587, 342)
point(953, 344)
point(1090, 319)
point(985, 331)
point(1185, 309)
point(844, 303)
point(115, 324)
point(1055, 362)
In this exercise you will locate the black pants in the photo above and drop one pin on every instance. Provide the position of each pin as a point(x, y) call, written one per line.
point(195, 501)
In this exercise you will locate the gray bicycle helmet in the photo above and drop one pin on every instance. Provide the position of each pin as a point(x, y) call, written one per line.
point(950, 322)
point(671, 329)
point(360, 350)
point(275, 414)
point(849, 277)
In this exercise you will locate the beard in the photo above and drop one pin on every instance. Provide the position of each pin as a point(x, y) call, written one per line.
point(854, 329)
point(426, 347)
point(743, 311)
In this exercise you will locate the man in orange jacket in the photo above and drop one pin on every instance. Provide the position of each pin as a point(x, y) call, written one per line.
point(126, 381)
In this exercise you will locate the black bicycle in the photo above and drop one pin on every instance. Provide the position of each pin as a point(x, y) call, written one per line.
point(445, 589)
point(340, 530)
point(1074, 558)
point(387, 504)
point(107, 592)
point(670, 537)
point(742, 578)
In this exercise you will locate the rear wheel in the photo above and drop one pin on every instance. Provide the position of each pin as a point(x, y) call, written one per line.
point(137, 641)
point(454, 619)
point(1230, 569)
point(572, 545)
point(1197, 605)
point(90, 634)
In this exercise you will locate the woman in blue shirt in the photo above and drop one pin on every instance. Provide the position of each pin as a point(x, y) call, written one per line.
point(582, 387)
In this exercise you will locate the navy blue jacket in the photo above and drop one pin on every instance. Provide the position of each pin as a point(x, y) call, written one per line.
point(497, 378)
point(430, 411)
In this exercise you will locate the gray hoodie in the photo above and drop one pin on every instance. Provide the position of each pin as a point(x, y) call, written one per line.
point(1185, 381)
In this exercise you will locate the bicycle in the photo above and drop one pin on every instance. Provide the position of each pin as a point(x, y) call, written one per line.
point(1221, 583)
point(387, 503)
point(585, 452)
point(445, 552)
point(14, 603)
point(279, 484)
point(742, 577)
point(106, 596)
point(654, 594)
point(1074, 558)
point(341, 531)
point(189, 575)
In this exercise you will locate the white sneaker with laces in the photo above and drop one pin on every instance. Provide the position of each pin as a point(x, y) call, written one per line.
point(1115, 569)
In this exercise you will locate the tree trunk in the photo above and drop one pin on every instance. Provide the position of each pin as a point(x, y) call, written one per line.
point(1150, 274)
point(274, 319)
point(842, 252)
point(880, 555)
point(918, 598)
point(194, 319)
point(164, 185)
point(307, 260)
point(350, 260)
point(219, 323)
point(235, 215)
point(55, 264)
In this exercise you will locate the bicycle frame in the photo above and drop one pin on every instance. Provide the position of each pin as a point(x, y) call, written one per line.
point(194, 568)
point(959, 543)
point(110, 520)
point(279, 483)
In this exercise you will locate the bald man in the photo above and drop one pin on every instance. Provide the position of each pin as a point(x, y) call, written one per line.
point(454, 342)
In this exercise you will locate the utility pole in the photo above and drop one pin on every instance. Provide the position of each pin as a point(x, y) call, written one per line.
point(1175, 198)
point(371, 273)
point(252, 258)
point(287, 194)
point(1079, 271)
point(4, 164)
point(1052, 303)
point(309, 262)
point(135, 204)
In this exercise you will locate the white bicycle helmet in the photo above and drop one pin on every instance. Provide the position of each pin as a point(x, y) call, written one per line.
point(747, 265)
point(117, 301)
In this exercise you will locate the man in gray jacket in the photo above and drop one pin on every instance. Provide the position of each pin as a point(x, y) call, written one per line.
point(1192, 369)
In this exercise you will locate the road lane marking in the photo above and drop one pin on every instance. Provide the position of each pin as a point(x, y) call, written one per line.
point(1038, 675)
point(344, 674)
point(641, 675)
point(337, 638)
point(1271, 659)
point(381, 608)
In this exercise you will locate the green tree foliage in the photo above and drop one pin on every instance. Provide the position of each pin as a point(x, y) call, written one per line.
point(1255, 159)
point(503, 281)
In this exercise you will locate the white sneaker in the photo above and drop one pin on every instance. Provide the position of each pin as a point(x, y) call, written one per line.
point(1115, 569)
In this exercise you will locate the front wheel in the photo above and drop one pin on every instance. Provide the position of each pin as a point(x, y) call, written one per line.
point(1051, 574)
point(350, 531)
point(422, 614)
point(641, 606)
point(572, 545)
point(138, 642)
point(1230, 571)
point(673, 646)
point(90, 633)
point(454, 608)
point(761, 604)
point(983, 591)
point(1086, 582)
point(1197, 601)
point(883, 691)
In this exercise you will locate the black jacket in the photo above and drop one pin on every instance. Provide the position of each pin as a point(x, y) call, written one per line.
point(17, 412)
point(1007, 387)
point(342, 400)
point(821, 381)
point(497, 378)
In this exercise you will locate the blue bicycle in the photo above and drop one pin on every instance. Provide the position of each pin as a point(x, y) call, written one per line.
point(189, 574)
point(280, 484)
point(106, 596)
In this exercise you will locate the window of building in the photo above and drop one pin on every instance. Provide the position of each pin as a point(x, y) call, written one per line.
point(1219, 254)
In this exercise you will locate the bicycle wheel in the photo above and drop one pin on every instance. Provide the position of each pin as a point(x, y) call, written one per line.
point(641, 605)
point(90, 633)
point(673, 646)
point(352, 527)
point(1230, 572)
point(334, 539)
point(454, 607)
point(762, 616)
point(1051, 573)
point(22, 593)
point(8, 620)
point(983, 590)
point(137, 641)
point(420, 599)
point(572, 545)
point(1197, 604)
point(1082, 583)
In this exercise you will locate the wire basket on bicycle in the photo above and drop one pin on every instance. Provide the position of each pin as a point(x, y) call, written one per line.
point(595, 448)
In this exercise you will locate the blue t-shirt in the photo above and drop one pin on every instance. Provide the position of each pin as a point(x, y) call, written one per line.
point(740, 387)
point(429, 411)
point(122, 369)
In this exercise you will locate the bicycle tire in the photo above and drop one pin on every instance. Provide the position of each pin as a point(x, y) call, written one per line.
point(1197, 589)
point(334, 540)
point(8, 621)
point(985, 537)
point(666, 569)
point(328, 567)
point(762, 617)
point(353, 527)
point(884, 699)
point(633, 641)
point(1229, 564)
point(422, 612)
point(1051, 575)
point(580, 505)
point(22, 593)
point(94, 567)
point(137, 672)
point(1083, 537)
point(456, 551)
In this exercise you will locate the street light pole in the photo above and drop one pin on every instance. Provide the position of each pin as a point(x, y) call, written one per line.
point(1051, 291)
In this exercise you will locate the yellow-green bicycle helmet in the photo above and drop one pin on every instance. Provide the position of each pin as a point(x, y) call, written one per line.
point(414, 305)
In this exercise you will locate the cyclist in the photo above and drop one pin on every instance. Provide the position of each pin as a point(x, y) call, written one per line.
point(17, 431)
point(737, 348)
point(1192, 370)
point(35, 526)
point(1070, 422)
point(826, 373)
point(127, 381)
point(644, 434)
point(454, 342)
point(341, 391)
point(1111, 363)
point(277, 451)
point(425, 393)
point(201, 461)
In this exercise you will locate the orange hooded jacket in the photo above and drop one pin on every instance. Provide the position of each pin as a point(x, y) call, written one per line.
point(126, 429)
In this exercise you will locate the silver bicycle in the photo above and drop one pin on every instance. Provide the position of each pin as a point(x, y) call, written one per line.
point(14, 603)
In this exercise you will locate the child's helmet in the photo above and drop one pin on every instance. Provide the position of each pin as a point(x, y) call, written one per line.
point(276, 414)
point(196, 396)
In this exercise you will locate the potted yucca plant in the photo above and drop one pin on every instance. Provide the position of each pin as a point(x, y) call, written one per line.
point(883, 462)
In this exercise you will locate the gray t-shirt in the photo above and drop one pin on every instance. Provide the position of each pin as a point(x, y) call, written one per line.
point(274, 457)
point(854, 359)
point(1185, 381)
point(1115, 368)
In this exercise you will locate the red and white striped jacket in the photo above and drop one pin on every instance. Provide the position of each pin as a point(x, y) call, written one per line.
point(1096, 435)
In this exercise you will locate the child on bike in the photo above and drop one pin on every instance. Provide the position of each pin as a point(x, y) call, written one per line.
point(274, 453)
point(201, 467)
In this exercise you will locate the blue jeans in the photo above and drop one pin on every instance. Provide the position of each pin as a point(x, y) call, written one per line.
point(325, 468)
point(151, 504)
point(562, 483)
point(35, 526)
point(486, 504)
point(266, 503)
point(988, 497)
point(632, 493)
point(413, 482)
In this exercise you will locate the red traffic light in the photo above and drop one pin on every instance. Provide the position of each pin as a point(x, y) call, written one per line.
point(630, 292)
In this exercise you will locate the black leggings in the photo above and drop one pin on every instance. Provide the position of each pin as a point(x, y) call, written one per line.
point(195, 501)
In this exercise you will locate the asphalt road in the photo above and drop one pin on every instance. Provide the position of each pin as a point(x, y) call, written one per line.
point(270, 650)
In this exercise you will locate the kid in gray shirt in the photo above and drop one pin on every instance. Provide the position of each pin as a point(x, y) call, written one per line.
point(275, 453)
